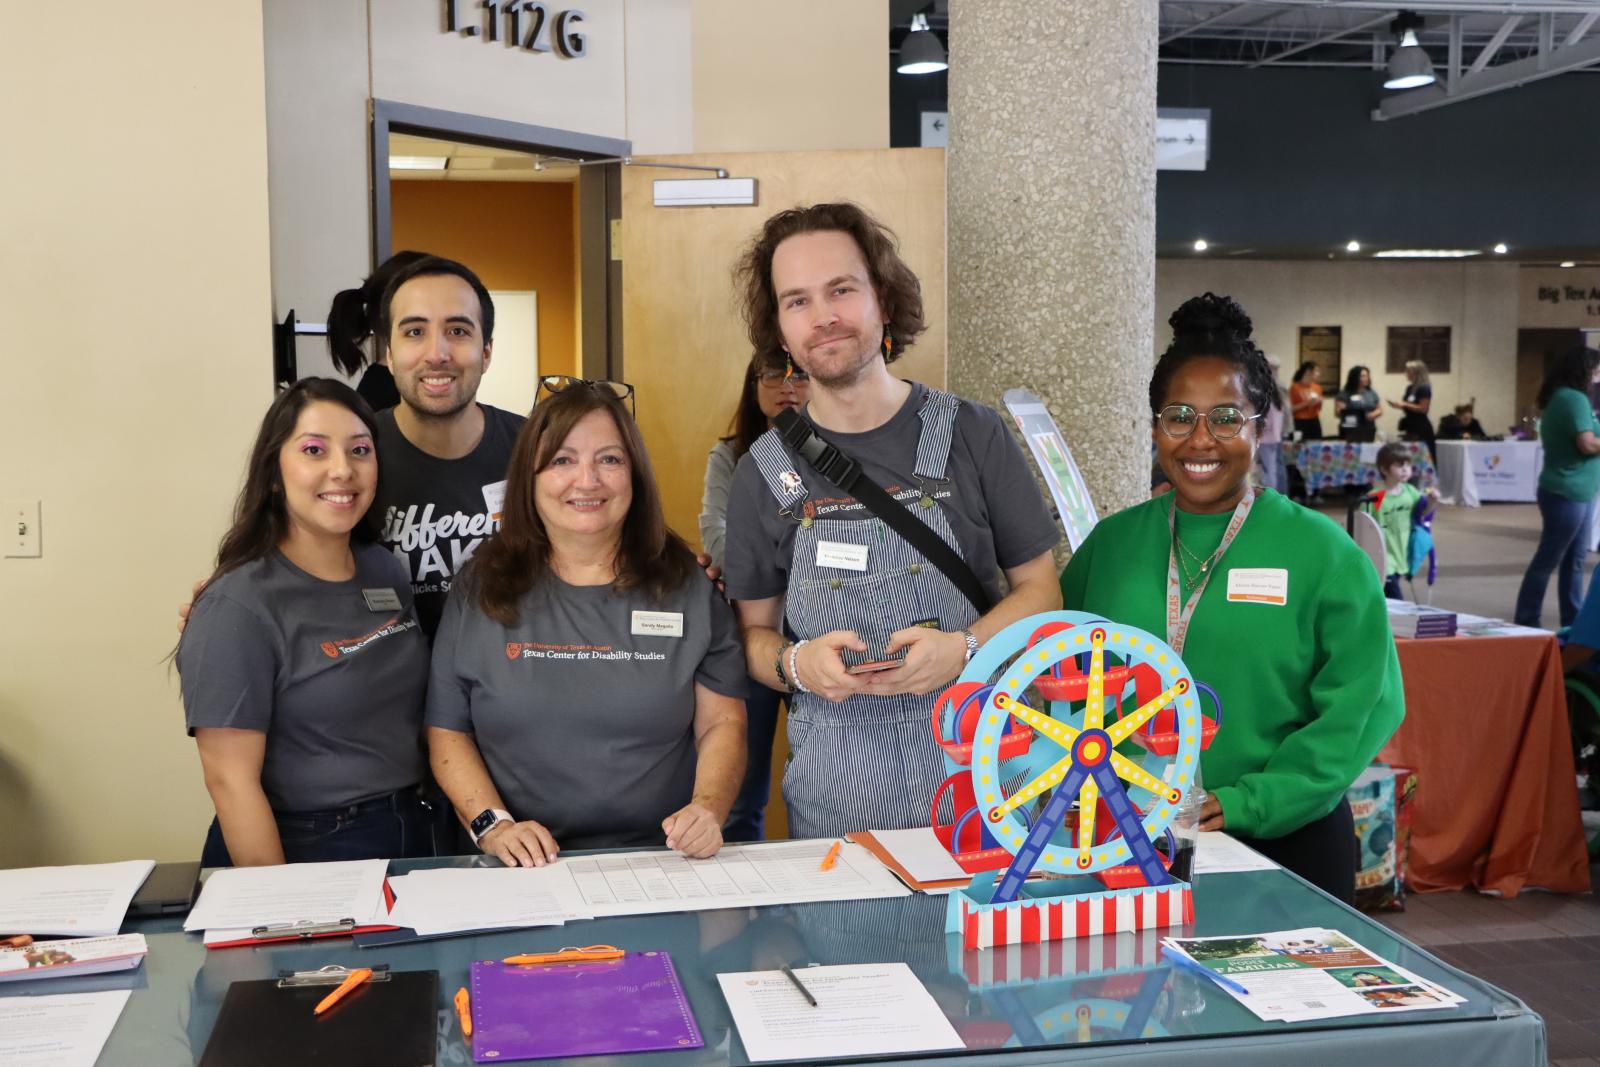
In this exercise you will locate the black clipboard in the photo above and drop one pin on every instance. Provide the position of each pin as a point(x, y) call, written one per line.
point(391, 1019)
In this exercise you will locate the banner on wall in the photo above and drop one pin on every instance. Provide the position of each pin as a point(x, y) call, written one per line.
point(1061, 474)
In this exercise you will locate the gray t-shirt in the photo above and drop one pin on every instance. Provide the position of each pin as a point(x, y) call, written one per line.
point(336, 686)
point(991, 500)
point(584, 711)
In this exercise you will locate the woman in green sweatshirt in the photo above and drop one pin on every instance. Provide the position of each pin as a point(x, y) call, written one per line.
point(1270, 604)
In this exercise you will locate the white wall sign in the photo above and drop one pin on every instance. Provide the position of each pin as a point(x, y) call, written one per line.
point(1183, 136)
point(513, 374)
point(936, 129)
point(1559, 298)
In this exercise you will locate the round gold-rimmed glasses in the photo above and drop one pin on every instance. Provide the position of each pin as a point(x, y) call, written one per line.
point(1224, 421)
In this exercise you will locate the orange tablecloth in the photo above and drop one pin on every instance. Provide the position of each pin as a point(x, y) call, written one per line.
point(1486, 729)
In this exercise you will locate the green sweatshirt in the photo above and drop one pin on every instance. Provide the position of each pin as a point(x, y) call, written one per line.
point(1310, 689)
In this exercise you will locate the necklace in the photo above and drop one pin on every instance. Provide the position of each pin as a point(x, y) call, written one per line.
point(1204, 564)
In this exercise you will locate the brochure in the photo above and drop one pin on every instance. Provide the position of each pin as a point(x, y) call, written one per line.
point(85, 955)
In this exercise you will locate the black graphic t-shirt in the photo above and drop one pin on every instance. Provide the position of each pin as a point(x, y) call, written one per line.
point(434, 513)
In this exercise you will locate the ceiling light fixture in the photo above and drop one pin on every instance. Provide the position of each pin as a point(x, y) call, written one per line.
point(1500, 249)
point(1568, 263)
point(921, 52)
point(1409, 66)
point(1425, 253)
point(417, 162)
point(1200, 245)
point(1353, 246)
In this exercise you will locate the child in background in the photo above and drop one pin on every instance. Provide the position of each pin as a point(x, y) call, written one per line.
point(1393, 509)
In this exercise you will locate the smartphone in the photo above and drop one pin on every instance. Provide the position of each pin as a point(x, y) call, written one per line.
point(169, 890)
point(875, 665)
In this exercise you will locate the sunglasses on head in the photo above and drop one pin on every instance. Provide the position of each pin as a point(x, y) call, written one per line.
point(560, 383)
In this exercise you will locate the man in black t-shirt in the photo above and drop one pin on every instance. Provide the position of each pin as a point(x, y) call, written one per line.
point(442, 456)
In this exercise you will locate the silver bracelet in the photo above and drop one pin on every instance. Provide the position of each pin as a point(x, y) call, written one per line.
point(794, 673)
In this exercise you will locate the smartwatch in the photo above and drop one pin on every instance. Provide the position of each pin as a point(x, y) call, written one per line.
point(487, 820)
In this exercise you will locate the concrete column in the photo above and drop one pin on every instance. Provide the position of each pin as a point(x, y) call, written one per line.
point(1051, 172)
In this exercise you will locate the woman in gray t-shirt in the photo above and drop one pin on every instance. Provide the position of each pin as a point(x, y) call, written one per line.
point(303, 668)
point(588, 682)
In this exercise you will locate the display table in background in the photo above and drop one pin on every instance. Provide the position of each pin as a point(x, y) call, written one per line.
point(1333, 464)
point(1471, 472)
point(1486, 730)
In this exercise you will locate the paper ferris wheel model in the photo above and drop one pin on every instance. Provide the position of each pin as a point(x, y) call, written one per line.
point(1072, 742)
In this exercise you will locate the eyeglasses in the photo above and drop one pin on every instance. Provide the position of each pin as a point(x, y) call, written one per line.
point(776, 378)
point(560, 383)
point(1225, 421)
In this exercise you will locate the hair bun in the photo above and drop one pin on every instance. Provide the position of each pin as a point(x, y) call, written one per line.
point(1210, 315)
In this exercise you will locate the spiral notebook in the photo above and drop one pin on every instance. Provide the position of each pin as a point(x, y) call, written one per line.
point(635, 1004)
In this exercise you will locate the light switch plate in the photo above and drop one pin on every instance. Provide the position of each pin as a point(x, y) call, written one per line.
point(20, 528)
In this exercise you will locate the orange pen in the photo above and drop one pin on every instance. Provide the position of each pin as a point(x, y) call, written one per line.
point(464, 1011)
point(587, 954)
point(831, 858)
point(357, 976)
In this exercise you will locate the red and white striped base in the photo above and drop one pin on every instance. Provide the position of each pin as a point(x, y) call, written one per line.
point(1030, 921)
point(1051, 961)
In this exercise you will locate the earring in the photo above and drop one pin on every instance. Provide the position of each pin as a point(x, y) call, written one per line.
point(788, 366)
point(888, 342)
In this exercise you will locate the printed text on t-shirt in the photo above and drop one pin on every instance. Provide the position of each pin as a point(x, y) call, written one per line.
point(516, 650)
point(418, 538)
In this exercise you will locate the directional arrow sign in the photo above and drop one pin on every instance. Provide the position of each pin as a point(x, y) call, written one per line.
point(935, 129)
point(1182, 138)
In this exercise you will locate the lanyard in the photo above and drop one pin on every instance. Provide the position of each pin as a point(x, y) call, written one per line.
point(1178, 615)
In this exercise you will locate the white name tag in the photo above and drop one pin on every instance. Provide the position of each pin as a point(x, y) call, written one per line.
point(658, 624)
point(1259, 585)
point(381, 599)
point(840, 554)
point(494, 498)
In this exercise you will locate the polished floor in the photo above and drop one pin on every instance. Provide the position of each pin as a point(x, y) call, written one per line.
point(1542, 947)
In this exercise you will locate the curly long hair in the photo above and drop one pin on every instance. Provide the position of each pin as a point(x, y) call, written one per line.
point(898, 291)
point(1212, 325)
point(1573, 369)
point(649, 557)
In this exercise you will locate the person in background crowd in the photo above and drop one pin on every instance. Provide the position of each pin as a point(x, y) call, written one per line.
point(588, 684)
point(1461, 424)
point(1274, 473)
point(1358, 407)
point(303, 668)
point(826, 284)
point(1567, 486)
point(350, 321)
point(1415, 424)
point(771, 385)
point(1305, 400)
point(1305, 668)
point(1393, 513)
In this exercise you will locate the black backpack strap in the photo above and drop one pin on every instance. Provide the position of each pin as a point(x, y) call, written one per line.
point(843, 470)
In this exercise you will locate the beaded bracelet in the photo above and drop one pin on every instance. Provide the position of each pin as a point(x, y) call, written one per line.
point(794, 672)
point(777, 667)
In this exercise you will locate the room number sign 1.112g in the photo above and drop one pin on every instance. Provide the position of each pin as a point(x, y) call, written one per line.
point(528, 25)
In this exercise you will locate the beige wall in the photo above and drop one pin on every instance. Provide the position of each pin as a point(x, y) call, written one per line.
point(774, 75)
point(1479, 301)
point(139, 354)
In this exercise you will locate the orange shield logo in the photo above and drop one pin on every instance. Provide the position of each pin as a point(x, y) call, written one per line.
point(513, 649)
point(330, 650)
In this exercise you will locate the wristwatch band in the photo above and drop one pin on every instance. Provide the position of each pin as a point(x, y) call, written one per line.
point(487, 820)
point(972, 643)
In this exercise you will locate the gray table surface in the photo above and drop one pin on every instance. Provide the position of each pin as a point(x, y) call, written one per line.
point(1112, 1001)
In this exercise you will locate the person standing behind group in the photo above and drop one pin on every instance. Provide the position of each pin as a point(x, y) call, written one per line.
point(1305, 400)
point(826, 284)
point(1303, 663)
point(1568, 482)
point(1274, 473)
point(1415, 424)
point(302, 666)
point(588, 684)
point(350, 319)
point(771, 385)
point(1358, 407)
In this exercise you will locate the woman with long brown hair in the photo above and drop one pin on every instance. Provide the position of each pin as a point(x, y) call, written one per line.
point(303, 668)
point(588, 683)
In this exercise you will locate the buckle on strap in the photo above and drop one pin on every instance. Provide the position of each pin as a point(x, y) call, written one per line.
point(824, 458)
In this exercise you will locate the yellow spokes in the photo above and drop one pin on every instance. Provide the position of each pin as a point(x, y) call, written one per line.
point(1126, 725)
point(1129, 771)
point(1088, 804)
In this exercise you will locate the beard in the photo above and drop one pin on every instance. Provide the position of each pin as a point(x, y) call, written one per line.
point(842, 367)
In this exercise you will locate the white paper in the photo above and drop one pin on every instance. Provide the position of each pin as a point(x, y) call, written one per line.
point(449, 900)
point(1218, 853)
point(289, 893)
point(738, 876)
point(89, 900)
point(918, 850)
point(61, 1030)
point(863, 1009)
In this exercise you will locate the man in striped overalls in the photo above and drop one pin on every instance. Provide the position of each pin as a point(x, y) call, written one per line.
point(820, 583)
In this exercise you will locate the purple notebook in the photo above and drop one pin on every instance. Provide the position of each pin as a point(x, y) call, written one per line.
point(634, 1004)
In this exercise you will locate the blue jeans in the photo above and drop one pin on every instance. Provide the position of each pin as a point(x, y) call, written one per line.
point(1563, 546)
point(396, 826)
point(746, 822)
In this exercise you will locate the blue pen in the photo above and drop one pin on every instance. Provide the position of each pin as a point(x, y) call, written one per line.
point(1190, 965)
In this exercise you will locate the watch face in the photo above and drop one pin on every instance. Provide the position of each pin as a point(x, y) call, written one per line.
point(482, 823)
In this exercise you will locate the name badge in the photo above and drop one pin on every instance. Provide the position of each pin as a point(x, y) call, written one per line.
point(1259, 585)
point(658, 624)
point(840, 554)
point(381, 599)
point(494, 498)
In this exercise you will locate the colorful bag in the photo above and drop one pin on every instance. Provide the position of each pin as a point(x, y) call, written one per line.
point(1380, 802)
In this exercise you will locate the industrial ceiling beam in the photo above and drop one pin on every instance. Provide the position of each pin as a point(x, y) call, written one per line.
point(1327, 39)
point(1505, 76)
point(1583, 27)
point(1494, 44)
point(1203, 23)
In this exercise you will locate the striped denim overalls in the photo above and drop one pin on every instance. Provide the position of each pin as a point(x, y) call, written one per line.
point(869, 763)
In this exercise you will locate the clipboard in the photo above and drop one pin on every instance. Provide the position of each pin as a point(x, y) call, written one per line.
point(273, 935)
point(392, 1018)
point(533, 1012)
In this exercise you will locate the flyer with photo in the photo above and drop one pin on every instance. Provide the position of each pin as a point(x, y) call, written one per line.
point(1312, 973)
